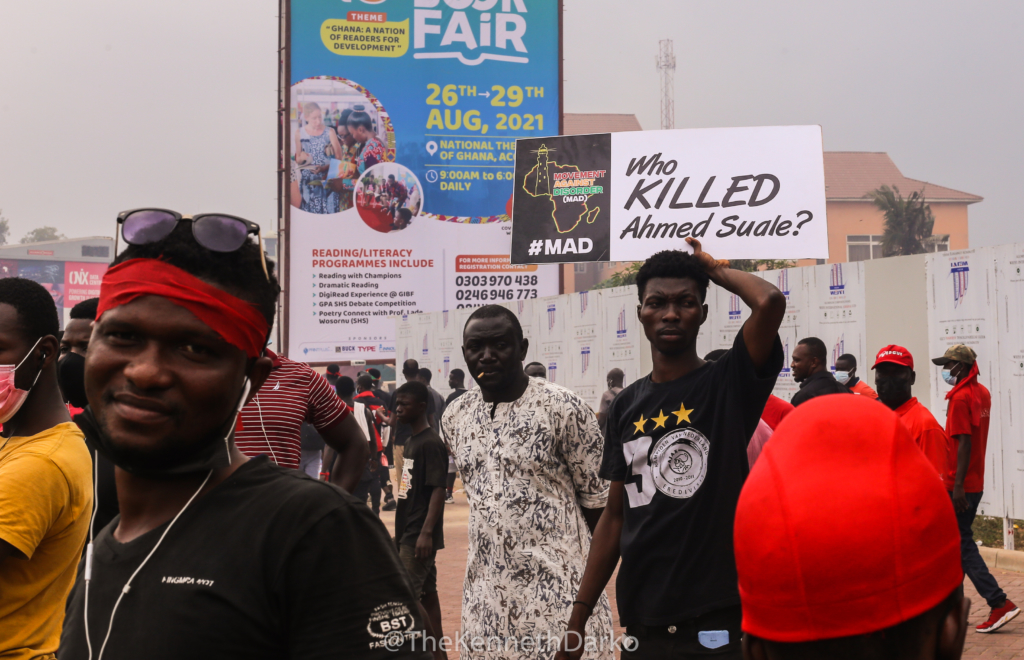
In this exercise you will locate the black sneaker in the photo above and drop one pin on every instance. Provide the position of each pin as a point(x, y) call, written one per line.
point(390, 505)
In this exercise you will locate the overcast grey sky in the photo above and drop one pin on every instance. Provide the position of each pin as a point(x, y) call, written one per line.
point(110, 104)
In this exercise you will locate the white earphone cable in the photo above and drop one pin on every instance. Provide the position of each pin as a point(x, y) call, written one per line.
point(263, 427)
point(128, 585)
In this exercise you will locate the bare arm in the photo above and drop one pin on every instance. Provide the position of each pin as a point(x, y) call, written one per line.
point(767, 303)
point(963, 461)
point(425, 542)
point(601, 563)
point(347, 439)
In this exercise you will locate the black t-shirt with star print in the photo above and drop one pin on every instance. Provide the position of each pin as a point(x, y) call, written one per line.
point(681, 449)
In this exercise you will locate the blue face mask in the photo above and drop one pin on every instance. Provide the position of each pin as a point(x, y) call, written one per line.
point(843, 376)
point(948, 377)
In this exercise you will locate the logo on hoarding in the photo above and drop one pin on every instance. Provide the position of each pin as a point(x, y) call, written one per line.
point(552, 371)
point(521, 305)
point(784, 282)
point(583, 302)
point(620, 327)
point(426, 348)
point(959, 270)
point(734, 307)
point(444, 318)
point(552, 310)
point(838, 349)
point(447, 365)
point(785, 356)
point(837, 286)
point(389, 349)
point(80, 277)
point(585, 358)
point(463, 32)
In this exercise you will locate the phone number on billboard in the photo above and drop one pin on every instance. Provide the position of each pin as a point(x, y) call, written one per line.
point(485, 295)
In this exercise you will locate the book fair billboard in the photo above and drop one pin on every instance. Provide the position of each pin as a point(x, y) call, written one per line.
point(745, 193)
point(398, 134)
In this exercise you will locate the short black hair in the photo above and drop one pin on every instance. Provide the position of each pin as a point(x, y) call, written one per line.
point(716, 354)
point(239, 272)
point(37, 313)
point(458, 373)
point(365, 382)
point(391, 176)
point(374, 372)
point(849, 358)
point(675, 264)
point(333, 369)
point(414, 389)
point(345, 387)
point(531, 364)
point(86, 309)
point(815, 346)
point(410, 367)
point(496, 312)
point(425, 374)
point(903, 640)
point(360, 118)
point(343, 117)
point(405, 213)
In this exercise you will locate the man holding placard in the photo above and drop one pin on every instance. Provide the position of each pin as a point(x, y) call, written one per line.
point(676, 456)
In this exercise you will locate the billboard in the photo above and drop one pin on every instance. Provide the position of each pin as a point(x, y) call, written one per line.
point(398, 131)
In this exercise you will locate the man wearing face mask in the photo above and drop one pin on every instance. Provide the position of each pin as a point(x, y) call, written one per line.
point(968, 410)
point(846, 373)
point(71, 376)
point(214, 554)
point(45, 480)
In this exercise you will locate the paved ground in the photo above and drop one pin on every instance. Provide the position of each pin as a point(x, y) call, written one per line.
point(451, 564)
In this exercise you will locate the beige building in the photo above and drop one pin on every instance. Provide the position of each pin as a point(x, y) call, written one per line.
point(855, 225)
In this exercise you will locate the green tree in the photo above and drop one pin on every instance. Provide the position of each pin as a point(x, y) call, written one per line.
point(908, 222)
point(40, 234)
point(5, 228)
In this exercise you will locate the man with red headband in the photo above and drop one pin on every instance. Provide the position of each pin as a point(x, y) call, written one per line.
point(892, 589)
point(215, 554)
point(894, 379)
point(968, 412)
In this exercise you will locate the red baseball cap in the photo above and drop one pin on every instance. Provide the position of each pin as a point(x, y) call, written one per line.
point(840, 538)
point(896, 355)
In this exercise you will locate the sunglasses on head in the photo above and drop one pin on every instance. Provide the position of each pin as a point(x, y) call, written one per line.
point(214, 231)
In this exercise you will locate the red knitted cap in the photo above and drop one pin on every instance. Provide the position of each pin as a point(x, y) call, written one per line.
point(842, 528)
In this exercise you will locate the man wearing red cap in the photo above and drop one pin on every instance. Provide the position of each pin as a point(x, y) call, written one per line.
point(967, 418)
point(676, 456)
point(892, 590)
point(894, 378)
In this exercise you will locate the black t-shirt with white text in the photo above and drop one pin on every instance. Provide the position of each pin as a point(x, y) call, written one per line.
point(425, 468)
point(268, 564)
point(681, 449)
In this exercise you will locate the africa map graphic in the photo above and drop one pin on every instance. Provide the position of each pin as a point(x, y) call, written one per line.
point(568, 202)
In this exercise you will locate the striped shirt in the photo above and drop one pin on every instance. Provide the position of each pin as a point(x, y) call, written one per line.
point(272, 421)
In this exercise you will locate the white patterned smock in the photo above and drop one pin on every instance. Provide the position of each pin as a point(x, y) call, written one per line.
point(527, 469)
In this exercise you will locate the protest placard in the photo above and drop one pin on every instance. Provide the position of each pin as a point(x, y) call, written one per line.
point(745, 193)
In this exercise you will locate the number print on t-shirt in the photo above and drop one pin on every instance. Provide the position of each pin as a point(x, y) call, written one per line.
point(406, 482)
point(676, 467)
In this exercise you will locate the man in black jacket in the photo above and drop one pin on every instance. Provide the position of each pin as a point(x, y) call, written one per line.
point(811, 371)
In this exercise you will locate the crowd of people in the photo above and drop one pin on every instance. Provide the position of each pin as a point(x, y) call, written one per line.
point(211, 498)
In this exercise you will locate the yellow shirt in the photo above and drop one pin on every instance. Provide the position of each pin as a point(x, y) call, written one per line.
point(45, 507)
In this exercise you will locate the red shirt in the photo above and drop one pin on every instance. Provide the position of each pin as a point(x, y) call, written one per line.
point(775, 410)
point(293, 394)
point(931, 439)
point(862, 388)
point(962, 419)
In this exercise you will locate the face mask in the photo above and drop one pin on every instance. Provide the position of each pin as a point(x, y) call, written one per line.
point(843, 376)
point(949, 377)
point(71, 378)
point(212, 453)
point(11, 398)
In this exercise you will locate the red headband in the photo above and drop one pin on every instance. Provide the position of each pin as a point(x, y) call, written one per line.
point(237, 321)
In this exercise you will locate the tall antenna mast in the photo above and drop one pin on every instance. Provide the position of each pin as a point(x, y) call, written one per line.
point(667, 66)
